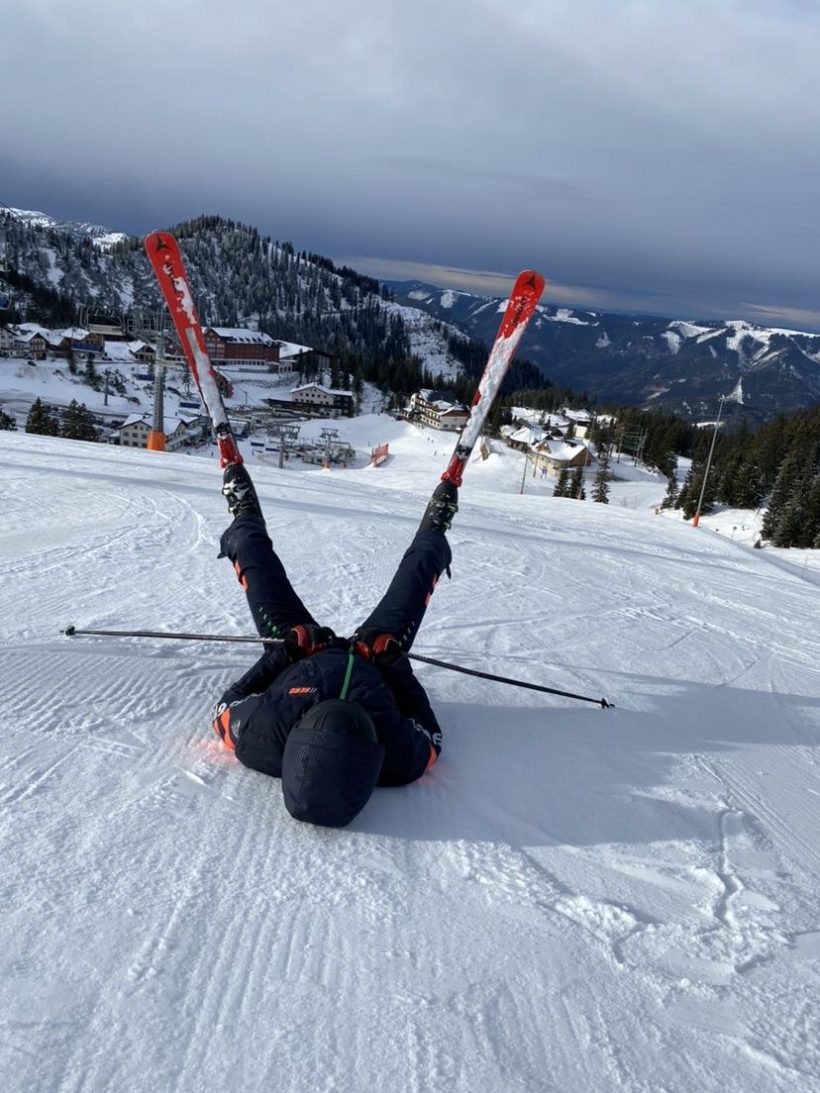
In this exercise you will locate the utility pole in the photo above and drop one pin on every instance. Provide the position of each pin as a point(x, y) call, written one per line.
point(150, 327)
point(156, 438)
point(526, 465)
point(696, 517)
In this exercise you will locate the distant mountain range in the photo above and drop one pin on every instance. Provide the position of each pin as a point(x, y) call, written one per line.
point(677, 365)
point(241, 278)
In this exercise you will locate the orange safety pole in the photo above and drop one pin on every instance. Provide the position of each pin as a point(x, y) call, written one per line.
point(156, 441)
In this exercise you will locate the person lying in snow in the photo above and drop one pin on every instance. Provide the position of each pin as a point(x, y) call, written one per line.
point(332, 717)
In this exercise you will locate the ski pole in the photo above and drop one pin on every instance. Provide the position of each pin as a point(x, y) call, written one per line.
point(73, 631)
point(602, 702)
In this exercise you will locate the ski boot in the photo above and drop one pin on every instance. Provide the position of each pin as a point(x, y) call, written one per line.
point(239, 491)
point(441, 509)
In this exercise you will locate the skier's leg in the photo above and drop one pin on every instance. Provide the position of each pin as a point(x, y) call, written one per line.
point(401, 609)
point(274, 605)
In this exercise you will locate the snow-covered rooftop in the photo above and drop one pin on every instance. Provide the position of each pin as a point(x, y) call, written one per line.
point(241, 335)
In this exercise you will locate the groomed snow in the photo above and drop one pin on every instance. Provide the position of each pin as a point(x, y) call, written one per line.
point(574, 899)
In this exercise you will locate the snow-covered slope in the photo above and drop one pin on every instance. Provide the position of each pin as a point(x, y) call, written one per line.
point(573, 899)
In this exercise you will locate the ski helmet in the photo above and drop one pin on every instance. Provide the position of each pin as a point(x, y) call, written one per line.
point(331, 763)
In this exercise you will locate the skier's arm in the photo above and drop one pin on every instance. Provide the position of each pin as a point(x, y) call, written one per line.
point(418, 742)
point(256, 680)
point(411, 698)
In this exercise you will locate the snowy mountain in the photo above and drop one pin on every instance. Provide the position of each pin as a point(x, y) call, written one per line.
point(239, 278)
point(573, 899)
point(103, 237)
point(679, 366)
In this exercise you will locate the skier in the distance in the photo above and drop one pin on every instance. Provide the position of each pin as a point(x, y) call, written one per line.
point(332, 717)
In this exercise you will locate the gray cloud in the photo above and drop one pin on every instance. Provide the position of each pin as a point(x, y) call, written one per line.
point(661, 154)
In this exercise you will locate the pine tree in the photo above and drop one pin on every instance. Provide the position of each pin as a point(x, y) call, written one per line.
point(358, 386)
point(671, 495)
point(600, 485)
point(684, 498)
point(810, 512)
point(576, 485)
point(562, 484)
point(690, 494)
point(91, 371)
point(782, 493)
point(77, 423)
point(748, 486)
point(69, 429)
point(41, 420)
point(34, 418)
point(7, 422)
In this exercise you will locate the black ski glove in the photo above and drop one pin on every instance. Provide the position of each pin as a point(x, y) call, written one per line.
point(306, 639)
point(381, 649)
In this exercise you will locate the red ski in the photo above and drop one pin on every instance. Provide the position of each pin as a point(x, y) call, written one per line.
point(520, 307)
point(165, 258)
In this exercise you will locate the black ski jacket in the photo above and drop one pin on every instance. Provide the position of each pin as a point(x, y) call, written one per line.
point(256, 714)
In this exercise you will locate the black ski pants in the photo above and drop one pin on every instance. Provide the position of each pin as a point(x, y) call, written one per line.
point(276, 607)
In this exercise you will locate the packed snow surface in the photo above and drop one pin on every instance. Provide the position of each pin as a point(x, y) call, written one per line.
point(573, 899)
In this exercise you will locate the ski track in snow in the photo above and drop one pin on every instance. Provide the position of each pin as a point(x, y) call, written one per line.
point(571, 900)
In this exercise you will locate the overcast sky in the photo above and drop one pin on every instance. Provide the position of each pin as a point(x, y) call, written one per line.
point(649, 155)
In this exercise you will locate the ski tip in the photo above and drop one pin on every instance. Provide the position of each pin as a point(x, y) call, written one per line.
point(531, 279)
point(155, 242)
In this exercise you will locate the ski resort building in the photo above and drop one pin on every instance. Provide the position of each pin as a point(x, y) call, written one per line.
point(301, 359)
point(581, 420)
point(234, 346)
point(32, 342)
point(6, 342)
point(133, 432)
point(438, 409)
point(556, 455)
point(38, 342)
point(331, 400)
point(129, 352)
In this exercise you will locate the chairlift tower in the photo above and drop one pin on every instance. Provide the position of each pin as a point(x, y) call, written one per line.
point(330, 437)
point(286, 435)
